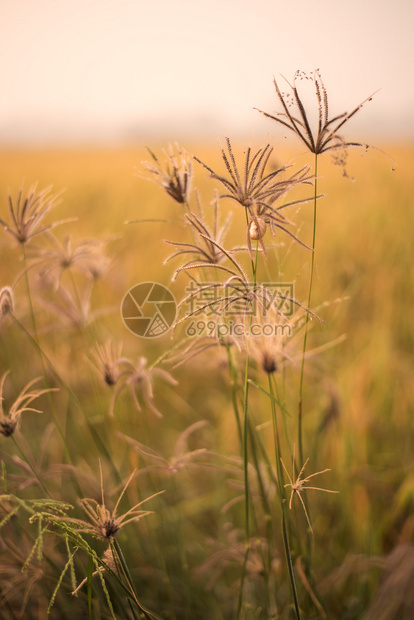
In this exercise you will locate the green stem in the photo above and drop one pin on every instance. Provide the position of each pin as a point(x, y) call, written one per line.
point(253, 262)
point(117, 552)
point(300, 406)
point(276, 439)
point(300, 415)
point(245, 448)
point(29, 296)
point(289, 562)
point(266, 559)
point(282, 498)
point(233, 379)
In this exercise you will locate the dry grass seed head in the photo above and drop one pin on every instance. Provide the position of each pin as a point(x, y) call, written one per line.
point(175, 175)
point(296, 119)
point(6, 302)
point(236, 291)
point(236, 295)
point(27, 214)
point(253, 186)
point(181, 457)
point(69, 304)
point(9, 421)
point(257, 190)
point(140, 378)
point(272, 352)
point(276, 340)
point(299, 486)
point(107, 359)
point(218, 296)
point(86, 256)
point(204, 249)
point(104, 523)
point(231, 552)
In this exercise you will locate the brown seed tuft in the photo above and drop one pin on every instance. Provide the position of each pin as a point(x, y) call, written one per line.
point(109, 528)
point(6, 302)
point(174, 175)
point(269, 363)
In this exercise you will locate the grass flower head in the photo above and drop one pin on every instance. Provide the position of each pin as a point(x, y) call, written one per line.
point(6, 302)
point(27, 214)
point(107, 359)
point(207, 241)
point(300, 485)
point(175, 176)
point(86, 256)
point(295, 117)
point(275, 340)
point(9, 421)
point(139, 378)
point(258, 190)
point(105, 524)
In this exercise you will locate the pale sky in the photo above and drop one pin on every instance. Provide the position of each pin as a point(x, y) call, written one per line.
point(101, 70)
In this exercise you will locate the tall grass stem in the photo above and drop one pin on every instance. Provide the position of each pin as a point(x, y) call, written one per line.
point(305, 338)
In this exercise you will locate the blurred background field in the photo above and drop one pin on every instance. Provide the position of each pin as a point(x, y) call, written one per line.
point(85, 86)
point(359, 393)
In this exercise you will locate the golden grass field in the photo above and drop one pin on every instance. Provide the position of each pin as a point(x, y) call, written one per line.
point(358, 397)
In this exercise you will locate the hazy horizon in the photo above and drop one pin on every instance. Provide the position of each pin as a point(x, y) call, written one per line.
point(116, 72)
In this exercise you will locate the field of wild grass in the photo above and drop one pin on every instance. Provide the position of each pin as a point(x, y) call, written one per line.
point(351, 554)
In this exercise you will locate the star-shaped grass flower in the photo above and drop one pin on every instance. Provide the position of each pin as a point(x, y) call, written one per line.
point(299, 486)
point(103, 523)
point(27, 214)
point(325, 136)
point(257, 190)
point(295, 117)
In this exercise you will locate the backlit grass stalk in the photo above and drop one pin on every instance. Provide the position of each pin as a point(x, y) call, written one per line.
point(254, 451)
point(234, 389)
point(309, 537)
point(325, 138)
point(282, 497)
point(267, 561)
point(124, 571)
point(302, 367)
point(246, 447)
point(246, 479)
